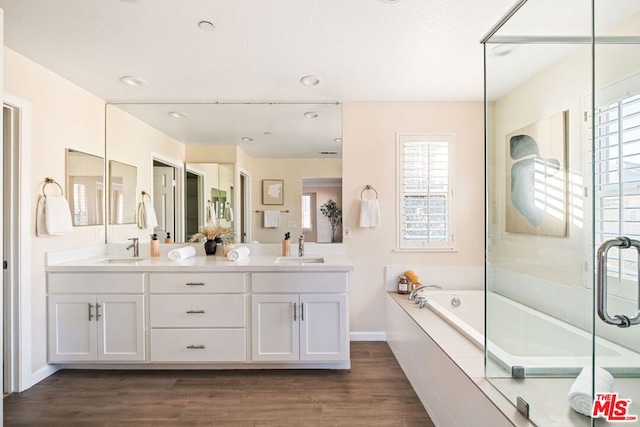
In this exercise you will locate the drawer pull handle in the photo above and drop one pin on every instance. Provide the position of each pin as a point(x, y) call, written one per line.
point(195, 311)
point(195, 284)
point(195, 347)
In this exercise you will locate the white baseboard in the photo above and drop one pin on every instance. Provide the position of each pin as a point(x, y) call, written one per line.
point(368, 336)
point(41, 374)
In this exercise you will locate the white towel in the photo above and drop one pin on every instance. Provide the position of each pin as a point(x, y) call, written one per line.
point(579, 396)
point(181, 253)
point(238, 253)
point(228, 212)
point(53, 216)
point(369, 213)
point(271, 219)
point(212, 217)
point(146, 215)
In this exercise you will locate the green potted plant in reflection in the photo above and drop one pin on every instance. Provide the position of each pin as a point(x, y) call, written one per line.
point(334, 213)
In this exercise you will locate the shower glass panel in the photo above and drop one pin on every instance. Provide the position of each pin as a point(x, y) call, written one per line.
point(554, 194)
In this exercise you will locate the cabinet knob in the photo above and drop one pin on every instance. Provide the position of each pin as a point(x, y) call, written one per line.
point(195, 311)
point(195, 347)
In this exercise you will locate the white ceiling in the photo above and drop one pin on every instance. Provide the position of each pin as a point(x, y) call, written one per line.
point(362, 50)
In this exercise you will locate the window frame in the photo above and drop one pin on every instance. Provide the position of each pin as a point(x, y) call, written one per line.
point(404, 245)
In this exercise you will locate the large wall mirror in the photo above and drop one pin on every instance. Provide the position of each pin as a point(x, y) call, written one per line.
point(85, 188)
point(226, 151)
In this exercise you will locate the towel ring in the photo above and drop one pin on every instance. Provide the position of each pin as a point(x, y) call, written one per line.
point(48, 181)
point(144, 193)
point(368, 187)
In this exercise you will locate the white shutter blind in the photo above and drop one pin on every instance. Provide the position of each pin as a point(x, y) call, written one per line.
point(425, 192)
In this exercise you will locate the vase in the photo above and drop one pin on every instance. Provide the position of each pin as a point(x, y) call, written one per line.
point(210, 246)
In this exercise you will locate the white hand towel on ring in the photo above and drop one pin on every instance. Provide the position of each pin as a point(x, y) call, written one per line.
point(369, 213)
point(57, 216)
point(579, 396)
point(146, 215)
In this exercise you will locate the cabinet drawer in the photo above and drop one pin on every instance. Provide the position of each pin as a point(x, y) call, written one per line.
point(100, 283)
point(299, 282)
point(198, 345)
point(199, 283)
point(197, 311)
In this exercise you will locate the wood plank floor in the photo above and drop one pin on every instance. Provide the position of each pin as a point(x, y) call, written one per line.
point(374, 393)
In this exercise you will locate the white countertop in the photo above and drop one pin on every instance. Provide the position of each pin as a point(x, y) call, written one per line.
point(95, 260)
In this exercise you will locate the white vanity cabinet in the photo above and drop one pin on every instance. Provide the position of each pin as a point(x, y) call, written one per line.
point(299, 317)
point(96, 317)
point(198, 317)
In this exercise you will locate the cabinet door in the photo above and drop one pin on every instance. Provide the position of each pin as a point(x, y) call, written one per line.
point(275, 328)
point(72, 329)
point(323, 327)
point(120, 327)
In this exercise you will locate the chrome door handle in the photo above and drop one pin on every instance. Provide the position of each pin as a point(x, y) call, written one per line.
point(620, 320)
point(90, 313)
point(295, 317)
point(98, 315)
point(195, 311)
point(195, 347)
point(302, 311)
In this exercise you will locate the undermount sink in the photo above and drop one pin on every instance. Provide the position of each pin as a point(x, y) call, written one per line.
point(120, 261)
point(299, 260)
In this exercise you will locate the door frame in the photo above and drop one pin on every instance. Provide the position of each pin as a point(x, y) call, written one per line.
point(178, 193)
point(244, 196)
point(17, 328)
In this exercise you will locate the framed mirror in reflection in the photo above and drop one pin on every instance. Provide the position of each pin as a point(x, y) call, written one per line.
point(85, 188)
point(122, 193)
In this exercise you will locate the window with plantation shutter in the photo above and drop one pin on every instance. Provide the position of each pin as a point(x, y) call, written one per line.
point(425, 205)
point(617, 181)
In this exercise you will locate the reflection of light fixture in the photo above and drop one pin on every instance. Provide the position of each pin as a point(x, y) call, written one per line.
point(178, 114)
point(502, 49)
point(206, 26)
point(247, 139)
point(133, 81)
point(311, 114)
point(310, 80)
point(338, 140)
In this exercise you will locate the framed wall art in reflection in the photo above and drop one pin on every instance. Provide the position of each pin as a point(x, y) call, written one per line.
point(272, 192)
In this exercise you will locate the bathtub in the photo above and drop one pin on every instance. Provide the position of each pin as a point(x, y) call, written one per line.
point(521, 336)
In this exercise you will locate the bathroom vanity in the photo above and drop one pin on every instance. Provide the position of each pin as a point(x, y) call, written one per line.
point(262, 312)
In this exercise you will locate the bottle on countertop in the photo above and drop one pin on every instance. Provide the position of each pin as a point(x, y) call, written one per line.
point(168, 239)
point(403, 285)
point(286, 245)
point(155, 246)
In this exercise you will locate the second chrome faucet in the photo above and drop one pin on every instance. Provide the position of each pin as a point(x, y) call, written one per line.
point(135, 247)
point(301, 245)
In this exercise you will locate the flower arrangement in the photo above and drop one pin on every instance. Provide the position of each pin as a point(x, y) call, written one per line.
point(213, 232)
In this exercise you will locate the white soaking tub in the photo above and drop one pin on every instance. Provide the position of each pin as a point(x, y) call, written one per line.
point(522, 336)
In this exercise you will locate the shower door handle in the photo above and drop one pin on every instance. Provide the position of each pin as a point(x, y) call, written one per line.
point(619, 320)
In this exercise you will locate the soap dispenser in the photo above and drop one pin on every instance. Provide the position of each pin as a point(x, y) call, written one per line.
point(168, 239)
point(155, 246)
point(286, 245)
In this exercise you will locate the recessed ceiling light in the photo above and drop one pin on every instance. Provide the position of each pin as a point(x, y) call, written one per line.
point(178, 114)
point(206, 26)
point(133, 81)
point(338, 140)
point(247, 139)
point(310, 80)
point(311, 114)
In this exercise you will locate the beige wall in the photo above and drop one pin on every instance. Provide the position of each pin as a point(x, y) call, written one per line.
point(63, 116)
point(369, 151)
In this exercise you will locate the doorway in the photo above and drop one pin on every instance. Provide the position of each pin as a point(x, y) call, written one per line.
point(165, 199)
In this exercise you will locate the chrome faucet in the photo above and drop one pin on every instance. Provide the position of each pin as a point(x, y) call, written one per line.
point(134, 245)
point(301, 245)
point(412, 295)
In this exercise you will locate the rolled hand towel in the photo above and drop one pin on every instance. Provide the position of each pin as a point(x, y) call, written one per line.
point(181, 253)
point(238, 253)
point(580, 398)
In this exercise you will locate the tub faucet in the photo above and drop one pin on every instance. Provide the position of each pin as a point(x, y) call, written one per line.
point(134, 245)
point(412, 295)
point(301, 245)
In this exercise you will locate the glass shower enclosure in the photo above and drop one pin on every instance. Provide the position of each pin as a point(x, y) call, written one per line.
point(562, 107)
